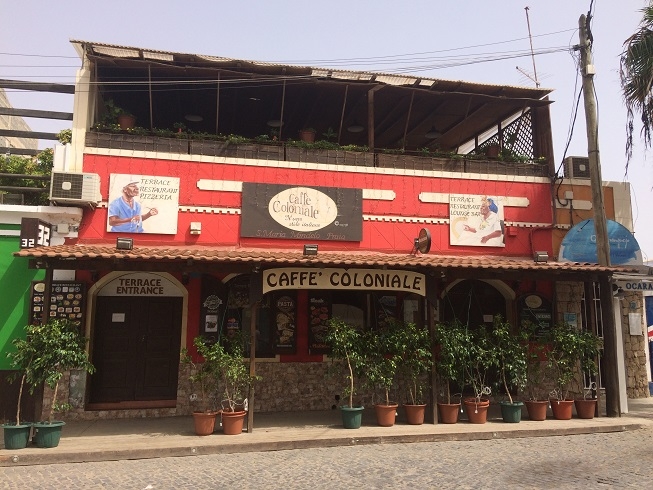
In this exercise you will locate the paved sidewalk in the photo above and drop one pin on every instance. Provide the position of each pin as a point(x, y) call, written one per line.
point(120, 439)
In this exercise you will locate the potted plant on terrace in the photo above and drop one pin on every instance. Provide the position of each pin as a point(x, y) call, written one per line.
point(235, 379)
point(202, 376)
point(452, 340)
point(347, 345)
point(56, 347)
point(511, 350)
point(572, 351)
point(416, 359)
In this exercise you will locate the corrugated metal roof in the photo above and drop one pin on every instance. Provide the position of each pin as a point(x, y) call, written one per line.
point(353, 75)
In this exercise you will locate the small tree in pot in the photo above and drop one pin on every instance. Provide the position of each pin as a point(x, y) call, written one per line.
point(235, 380)
point(384, 348)
point(415, 362)
point(56, 347)
point(202, 376)
point(511, 350)
point(347, 345)
point(16, 435)
point(452, 341)
point(481, 358)
point(572, 351)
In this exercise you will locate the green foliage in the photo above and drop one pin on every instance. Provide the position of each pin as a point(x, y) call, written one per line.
point(347, 344)
point(111, 112)
point(572, 352)
point(65, 136)
point(452, 342)
point(202, 374)
point(511, 350)
point(413, 345)
point(481, 358)
point(52, 349)
point(383, 352)
point(636, 70)
point(330, 134)
point(234, 373)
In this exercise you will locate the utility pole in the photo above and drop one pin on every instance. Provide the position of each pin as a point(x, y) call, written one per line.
point(611, 378)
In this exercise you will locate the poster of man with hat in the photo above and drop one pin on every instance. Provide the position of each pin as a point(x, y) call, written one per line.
point(158, 197)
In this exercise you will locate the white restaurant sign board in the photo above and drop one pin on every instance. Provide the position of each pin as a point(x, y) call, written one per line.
point(357, 279)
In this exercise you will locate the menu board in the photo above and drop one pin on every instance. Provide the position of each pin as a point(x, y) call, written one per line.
point(319, 312)
point(285, 339)
point(67, 300)
point(536, 310)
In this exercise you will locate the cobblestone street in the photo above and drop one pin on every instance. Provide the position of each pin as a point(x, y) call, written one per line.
point(621, 460)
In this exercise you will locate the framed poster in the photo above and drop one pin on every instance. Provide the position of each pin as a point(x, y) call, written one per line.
point(285, 314)
point(319, 313)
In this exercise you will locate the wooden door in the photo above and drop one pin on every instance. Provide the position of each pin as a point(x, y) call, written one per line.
point(136, 343)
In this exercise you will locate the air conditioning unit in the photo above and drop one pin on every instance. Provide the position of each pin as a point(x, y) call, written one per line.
point(576, 167)
point(75, 188)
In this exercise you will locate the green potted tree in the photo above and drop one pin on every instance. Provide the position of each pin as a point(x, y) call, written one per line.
point(117, 115)
point(347, 346)
point(537, 402)
point(511, 350)
point(383, 353)
point(481, 359)
point(56, 347)
point(572, 351)
point(16, 435)
point(415, 362)
point(235, 379)
point(452, 341)
point(202, 376)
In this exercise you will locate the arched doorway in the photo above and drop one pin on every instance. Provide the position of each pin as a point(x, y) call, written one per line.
point(136, 340)
point(474, 302)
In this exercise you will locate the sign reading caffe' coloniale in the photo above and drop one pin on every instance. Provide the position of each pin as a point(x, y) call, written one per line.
point(377, 279)
point(301, 213)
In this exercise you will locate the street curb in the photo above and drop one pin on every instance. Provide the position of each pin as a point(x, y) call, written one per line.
point(45, 457)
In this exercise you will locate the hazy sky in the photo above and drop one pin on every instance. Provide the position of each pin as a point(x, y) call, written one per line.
point(483, 41)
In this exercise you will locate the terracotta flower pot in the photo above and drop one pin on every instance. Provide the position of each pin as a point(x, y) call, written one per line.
point(204, 422)
point(561, 409)
point(232, 422)
point(385, 414)
point(536, 409)
point(449, 412)
point(585, 409)
point(415, 414)
point(477, 410)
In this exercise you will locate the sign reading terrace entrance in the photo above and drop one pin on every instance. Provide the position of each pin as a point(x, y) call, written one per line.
point(377, 279)
point(140, 284)
point(301, 213)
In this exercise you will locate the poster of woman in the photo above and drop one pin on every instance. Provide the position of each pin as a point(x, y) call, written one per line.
point(143, 204)
point(475, 220)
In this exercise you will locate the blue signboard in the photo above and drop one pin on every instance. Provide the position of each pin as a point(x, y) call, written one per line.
point(579, 244)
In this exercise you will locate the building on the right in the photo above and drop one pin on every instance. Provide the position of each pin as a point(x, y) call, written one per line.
point(574, 239)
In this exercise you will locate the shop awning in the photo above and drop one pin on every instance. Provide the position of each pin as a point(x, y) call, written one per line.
point(102, 257)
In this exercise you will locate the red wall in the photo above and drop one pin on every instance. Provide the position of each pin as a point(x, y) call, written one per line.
point(386, 236)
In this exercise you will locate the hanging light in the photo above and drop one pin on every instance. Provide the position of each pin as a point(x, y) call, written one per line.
point(355, 127)
point(433, 133)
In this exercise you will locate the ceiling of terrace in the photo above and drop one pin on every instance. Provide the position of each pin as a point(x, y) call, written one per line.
point(241, 97)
